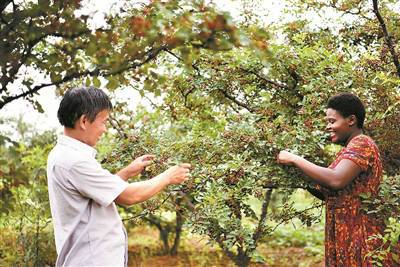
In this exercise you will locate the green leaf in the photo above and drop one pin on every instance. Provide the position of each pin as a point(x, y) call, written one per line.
point(96, 82)
point(55, 77)
point(38, 107)
point(112, 83)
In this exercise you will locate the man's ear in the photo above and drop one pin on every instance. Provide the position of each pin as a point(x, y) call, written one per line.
point(352, 119)
point(82, 122)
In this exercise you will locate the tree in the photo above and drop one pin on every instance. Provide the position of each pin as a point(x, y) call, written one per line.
point(27, 235)
point(133, 145)
point(49, 37)
point(229, 110)
point(370, 40)
point(227, 176)
point(235, 109)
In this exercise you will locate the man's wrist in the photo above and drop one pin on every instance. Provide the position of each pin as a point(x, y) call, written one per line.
point(164, 179)
point(124, 174)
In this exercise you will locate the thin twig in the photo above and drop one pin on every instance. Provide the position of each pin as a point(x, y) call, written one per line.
point(145, 212)
point(237, 102)
point(274, 83)
point(118, 127)
point(388, 38)
point(296, 214)
point(179, 58)
point(151, 54)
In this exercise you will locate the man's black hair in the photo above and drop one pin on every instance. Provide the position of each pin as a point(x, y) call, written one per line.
point(348, 104)
point(87, 101)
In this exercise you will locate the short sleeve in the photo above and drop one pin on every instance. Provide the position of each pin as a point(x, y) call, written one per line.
point(94, 182)
point(360, 151)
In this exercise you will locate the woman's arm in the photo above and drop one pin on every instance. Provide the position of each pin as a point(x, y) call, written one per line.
point(336, 178)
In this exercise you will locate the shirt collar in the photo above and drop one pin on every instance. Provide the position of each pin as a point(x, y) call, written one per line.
point(76, 145)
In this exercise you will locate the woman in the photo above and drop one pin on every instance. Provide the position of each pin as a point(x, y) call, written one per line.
point(356, 169)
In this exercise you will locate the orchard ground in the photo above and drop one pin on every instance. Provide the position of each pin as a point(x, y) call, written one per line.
point(144, 252)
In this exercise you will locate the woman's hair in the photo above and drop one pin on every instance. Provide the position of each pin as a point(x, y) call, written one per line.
point(348, 104)
point(76, 102)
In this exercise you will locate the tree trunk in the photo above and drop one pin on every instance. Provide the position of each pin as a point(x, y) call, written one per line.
point(164, 234)
point(164, 231)
point(178, 230)
point(242, 260)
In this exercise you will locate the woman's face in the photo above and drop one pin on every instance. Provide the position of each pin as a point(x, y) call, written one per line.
point(338, 126)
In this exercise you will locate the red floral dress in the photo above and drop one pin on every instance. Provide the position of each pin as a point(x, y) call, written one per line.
point(348, 227)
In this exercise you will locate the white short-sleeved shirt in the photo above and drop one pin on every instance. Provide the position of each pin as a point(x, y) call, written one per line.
point(87, 227)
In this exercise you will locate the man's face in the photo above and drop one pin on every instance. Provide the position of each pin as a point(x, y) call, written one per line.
point(337, 126)
point(95, 129)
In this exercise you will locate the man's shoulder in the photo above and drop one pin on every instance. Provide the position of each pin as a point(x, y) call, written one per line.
point(64, 157)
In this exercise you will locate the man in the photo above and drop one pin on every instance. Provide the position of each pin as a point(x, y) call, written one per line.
point(357, 169)
point(88, 229)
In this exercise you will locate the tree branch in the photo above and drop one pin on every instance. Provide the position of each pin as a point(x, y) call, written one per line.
point(153, 220)
point(185, 197)
point(30, 44)
point(179, 58)
point(27, 53)
point(237, 102)
point(357, 10)
point(264, 210)
point(178, 228)
point(147, 211)
point(151, 54)
point(3, 5)
point(118, 127)
point(229, 253)
point(388, 38)
point(276, 84)
point(297, 213)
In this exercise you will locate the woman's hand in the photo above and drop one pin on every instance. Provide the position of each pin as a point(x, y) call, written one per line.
point(286, 157)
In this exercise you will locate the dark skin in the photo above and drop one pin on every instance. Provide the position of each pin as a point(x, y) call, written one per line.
point(342, 130)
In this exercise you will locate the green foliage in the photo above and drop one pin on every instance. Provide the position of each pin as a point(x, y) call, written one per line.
point(27, 228)
point(234, 110)
point(229, 97)
point(60, 44)
point(386, 205)
point(390, 244)
point(25, 212)
point(231, 172)
point(312, 239)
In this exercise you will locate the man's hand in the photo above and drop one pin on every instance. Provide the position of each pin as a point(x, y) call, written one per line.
point(286, 158)
point(177, 174)
point(136, 166)
point(142, 190)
